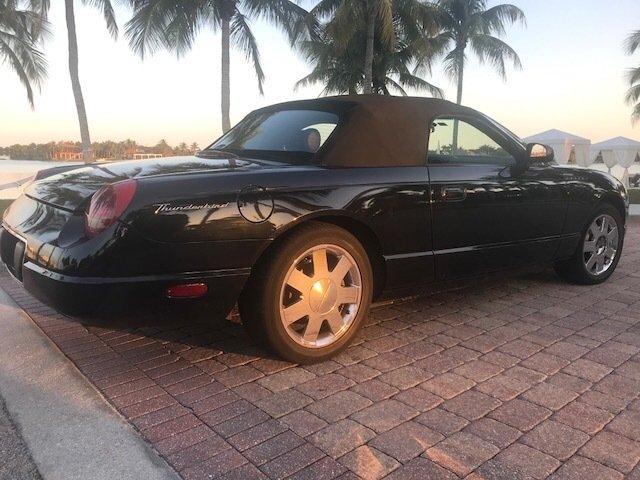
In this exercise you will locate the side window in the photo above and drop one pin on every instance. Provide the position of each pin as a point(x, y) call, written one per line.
point(456, 141)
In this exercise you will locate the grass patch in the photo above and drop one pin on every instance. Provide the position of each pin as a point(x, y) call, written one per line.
point(3, 205)
point(634, 195)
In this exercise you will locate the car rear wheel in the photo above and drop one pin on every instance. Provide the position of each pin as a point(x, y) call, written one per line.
point(309, 298)
point(599, 249)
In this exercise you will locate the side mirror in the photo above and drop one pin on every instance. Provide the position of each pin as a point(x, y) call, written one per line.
point(539, 153)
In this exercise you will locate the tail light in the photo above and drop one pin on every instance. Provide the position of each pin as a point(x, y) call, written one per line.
point(107, 204)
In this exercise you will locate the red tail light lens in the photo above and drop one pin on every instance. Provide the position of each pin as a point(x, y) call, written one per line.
point(187, 290)
point(107, 205)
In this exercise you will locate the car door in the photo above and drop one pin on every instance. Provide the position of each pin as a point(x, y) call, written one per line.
point(490, 210)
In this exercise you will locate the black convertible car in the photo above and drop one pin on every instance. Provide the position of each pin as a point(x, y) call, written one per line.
point(306, 211)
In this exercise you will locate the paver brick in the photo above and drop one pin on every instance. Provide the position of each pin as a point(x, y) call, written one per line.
point(273, 447)
point(369, 463)
point(325, 385)
point(303, 423)
point(462, 453)
point(374, 390)
point(447, 385)
point(442, 421)
point(613, 450)
point(498, 433)
point(527, 461)
point(292, 461)
point(471, 404)
point(406, 441)
point(520, 414)
point(421, 469)
point(283, 402)
point(584, 417)
point(583, 468)
point(549, 396)
point(341, 437)
point(338, 406)
point(556, 439)
point(418, 398)
point(405, 377)
point(384, 415)
point(503, 387)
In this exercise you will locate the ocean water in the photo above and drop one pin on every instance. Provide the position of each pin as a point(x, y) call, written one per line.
point(12, 171)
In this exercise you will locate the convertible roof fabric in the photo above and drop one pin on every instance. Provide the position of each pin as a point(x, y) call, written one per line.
point(377, 130)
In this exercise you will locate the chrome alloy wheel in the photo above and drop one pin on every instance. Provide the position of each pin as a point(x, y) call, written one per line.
point(320, 296)
point(600, 245)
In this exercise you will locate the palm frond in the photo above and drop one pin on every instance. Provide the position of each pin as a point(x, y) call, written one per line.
point(285, 14)
point(495, 52)
point(385, 23)
point(495, 19)
point(633, 76)
point(243, 38)
point(632, 43)
point(107, 12)
point(21, 32)
point(633, 94)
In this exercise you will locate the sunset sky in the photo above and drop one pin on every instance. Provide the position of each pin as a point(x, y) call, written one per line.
point(571, 50)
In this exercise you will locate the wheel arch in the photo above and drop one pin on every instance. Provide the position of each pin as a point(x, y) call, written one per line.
point(357, 228)
point(617, 202)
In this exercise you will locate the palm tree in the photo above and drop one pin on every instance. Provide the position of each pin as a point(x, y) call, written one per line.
point(109, 17)
point(341, 71)
point(469, 23)
point(21, 30)
point(174, 24)
point(346, 17)
point(398, 30)
point(632, 45)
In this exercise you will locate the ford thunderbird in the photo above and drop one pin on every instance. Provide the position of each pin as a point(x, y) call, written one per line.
point(306, 211)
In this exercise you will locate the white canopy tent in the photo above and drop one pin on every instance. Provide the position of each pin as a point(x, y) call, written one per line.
point(617, 151)
point(562, 144)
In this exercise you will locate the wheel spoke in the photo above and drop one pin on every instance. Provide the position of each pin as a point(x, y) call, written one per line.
point(295, 312)
point(300, 281)
point(610, 253)
point(603, 225)
point(591, 262)
point(612, 236)
point(320, 268)
point(599, 263)
point(347, 295)
point(313, 328)
point(590, 246)
point(340, 270)
point(334, 318)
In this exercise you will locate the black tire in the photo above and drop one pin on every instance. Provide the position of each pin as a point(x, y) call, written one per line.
point(260, 300)
point(574, 269)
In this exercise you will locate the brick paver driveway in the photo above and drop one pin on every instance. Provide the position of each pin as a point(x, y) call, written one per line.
point(526, 377)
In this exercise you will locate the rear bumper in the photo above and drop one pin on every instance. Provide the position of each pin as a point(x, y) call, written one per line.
point(95, 295)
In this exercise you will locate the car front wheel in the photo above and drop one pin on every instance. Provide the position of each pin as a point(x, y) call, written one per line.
point(308, 299)
point(599, 249)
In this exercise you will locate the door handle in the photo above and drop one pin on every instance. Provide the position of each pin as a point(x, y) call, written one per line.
point(453, 194)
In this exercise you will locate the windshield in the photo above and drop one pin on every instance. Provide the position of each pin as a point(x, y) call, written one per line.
point(287, 133)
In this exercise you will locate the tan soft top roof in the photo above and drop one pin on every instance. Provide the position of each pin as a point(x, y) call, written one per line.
point(377, 130)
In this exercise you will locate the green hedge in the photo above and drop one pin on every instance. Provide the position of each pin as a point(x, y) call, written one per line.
point(634, 195)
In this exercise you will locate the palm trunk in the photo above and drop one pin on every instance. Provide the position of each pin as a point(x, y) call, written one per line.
point(460, 76)
point(459, 99)
point(87, 151)
point(368, 56)
point(225, 99)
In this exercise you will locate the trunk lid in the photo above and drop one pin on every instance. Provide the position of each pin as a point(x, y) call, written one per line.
point(70, 189)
